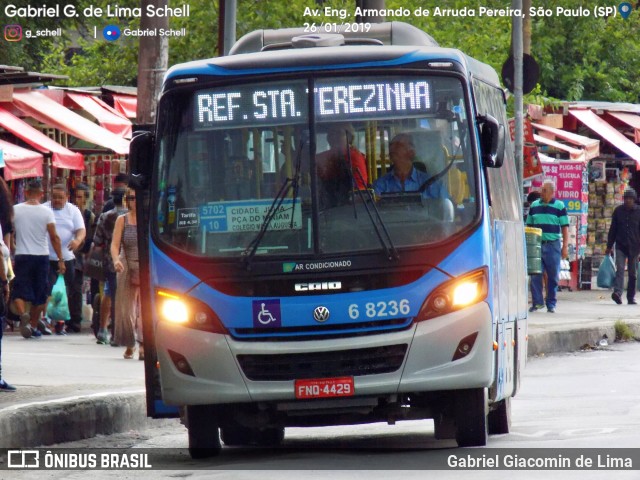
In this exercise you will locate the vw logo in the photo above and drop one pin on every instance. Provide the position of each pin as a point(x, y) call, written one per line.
point(321, 314)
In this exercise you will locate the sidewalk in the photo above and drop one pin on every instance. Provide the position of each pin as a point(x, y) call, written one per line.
point(582, 317)
point(70, 388)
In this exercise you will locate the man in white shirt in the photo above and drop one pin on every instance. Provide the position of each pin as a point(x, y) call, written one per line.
point(70, 228)
point(33, 224)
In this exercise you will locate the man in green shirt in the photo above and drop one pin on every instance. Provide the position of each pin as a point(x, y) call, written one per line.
point(550, 215)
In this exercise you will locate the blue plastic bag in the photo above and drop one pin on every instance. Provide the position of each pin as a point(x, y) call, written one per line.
point(607, 273)
point(58, 308)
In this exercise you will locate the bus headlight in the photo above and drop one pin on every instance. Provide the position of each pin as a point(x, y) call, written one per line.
point(465, 293)
point(456, 294)
point(174, 310)
point(187, 311)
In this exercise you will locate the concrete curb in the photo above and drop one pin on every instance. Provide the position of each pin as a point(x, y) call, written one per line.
point(45, 423)
point(567, 341)
point(560, 341)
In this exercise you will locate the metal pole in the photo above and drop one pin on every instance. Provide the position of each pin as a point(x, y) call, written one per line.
point(370, 4)
point(516, 42)
point(222, 7)
point(231, 7)
point(153, 59)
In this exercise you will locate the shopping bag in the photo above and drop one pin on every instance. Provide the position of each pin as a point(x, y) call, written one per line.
point(58, 308)
point(606, 273)
point(94, 265)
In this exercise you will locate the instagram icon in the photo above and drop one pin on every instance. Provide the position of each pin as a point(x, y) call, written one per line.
point(13, 33)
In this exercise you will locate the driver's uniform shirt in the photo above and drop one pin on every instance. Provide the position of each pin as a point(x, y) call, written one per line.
point(390, 183)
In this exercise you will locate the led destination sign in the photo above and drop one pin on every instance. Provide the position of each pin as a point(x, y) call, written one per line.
point(264, 104)
point(287, 103)
point(363, 98)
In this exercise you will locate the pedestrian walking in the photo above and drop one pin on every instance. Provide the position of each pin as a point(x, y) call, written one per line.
point(33, 224)
point(532, 197)
point(119, 183)
point(6, 224)
point(624, 233)
point(76, 298)
point(4, 304)
point(550, 215)
point(124, 252)
point(70, 228)
point(102, 240)
point(6, 213)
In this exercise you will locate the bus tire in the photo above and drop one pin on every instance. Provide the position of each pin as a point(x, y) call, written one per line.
point(471, 417)
point(202, 425)
point(500, 417)
point(236, 436)
point(444, 426)
point(270, 437)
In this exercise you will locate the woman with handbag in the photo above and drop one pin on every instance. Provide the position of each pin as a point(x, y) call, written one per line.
point(124, 252)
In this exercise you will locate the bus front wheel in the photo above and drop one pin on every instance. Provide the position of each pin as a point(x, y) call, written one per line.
point(202, 425)
point(238, 436)
point(500, 417)
point(270, 437)
point(471, 417)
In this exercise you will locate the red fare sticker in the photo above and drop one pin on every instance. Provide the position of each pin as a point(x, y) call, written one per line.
point(324, 387)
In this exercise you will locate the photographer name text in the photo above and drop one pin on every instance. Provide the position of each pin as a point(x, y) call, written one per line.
point(91, 11)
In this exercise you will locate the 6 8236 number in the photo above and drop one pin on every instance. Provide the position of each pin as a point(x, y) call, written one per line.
point(380, 309)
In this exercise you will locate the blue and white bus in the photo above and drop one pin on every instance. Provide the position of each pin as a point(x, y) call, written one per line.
point(267, 306)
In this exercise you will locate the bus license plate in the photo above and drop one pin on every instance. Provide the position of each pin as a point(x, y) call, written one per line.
point(324, 387)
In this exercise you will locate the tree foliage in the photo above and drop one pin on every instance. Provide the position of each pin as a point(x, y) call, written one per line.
point(580, 58)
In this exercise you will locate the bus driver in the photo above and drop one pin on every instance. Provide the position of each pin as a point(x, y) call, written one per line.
point(404, 177)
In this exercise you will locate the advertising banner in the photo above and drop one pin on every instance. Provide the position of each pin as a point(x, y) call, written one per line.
point(568, 178)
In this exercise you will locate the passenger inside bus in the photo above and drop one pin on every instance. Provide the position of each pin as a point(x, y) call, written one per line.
point(239, 183)
point(334, 169)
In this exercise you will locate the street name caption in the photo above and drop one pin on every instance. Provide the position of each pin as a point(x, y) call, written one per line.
point(482, 11)
point(92, 11)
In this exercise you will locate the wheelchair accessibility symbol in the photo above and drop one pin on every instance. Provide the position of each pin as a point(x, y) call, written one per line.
point(266, 314)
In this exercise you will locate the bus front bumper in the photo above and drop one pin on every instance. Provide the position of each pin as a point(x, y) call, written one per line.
point(217, 376)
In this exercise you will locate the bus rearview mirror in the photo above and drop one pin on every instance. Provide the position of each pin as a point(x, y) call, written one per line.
point(141, 157)
point(491, 141)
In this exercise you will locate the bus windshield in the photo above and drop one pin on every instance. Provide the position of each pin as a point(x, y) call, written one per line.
point(330, 165)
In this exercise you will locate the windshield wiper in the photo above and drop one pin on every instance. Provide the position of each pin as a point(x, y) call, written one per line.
point(289, 183)
point(390, 249)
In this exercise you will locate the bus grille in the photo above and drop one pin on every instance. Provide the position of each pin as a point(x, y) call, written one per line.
point(320, 332)
point(291, 366)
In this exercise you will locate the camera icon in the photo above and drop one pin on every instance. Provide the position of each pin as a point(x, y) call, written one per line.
point(13, 33)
